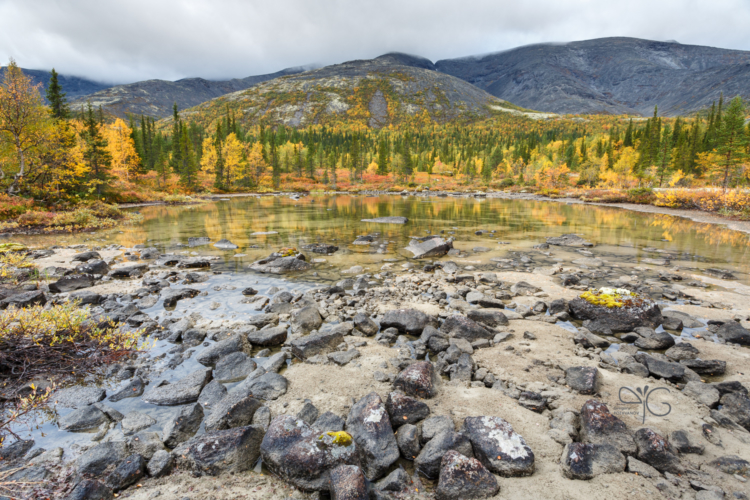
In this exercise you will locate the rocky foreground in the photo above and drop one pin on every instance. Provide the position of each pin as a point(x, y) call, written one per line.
point(438, 382)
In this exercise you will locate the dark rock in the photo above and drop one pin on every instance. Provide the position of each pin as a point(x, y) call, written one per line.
point(558, 306)
point(269, 386)
point(433, 426)
point(568, 240)
point(433, 247)
point(344, 357)
point(194, 263)
point(731, 464)
point(347, 482)
point(705, 366)
point(409, 321)
point(15, 450)
point(437, 343)
point(681, 351)
point(322, 248)
point(663, 369)
point(683, 444)
point(93, 267)
point(737, 407)
point(397, 481)
point(84, 297)
point(161, 464)
point(171, 296)
point(419, 380)
point(657, 452)
point(329, 422)
point(133, 389)
point(319, 343)
point(233, 367)
point(734, 332)
point(488, 317)
point(183, 426)
point(234, 410)
point(212, 354)
point(588, 340)
point(83, 419)
point(720, 273)
point(304, 457)
point(90, 489)
point(365, 324)
point(462, 327)
point(599, 426)
point(145, 444)
point(308, 414)
point(262, 320)
point(429, 459)
point(407, 439)
point(649, 339)
point(462, 477)
point(86, 256)
point(730, 386)
point(211, 394)
point(672, 323)
point(184, 391)
point(306, 319)
point(127, 472)
point(276, 264)
point(616, 319)
point(95, 460)
point(585, 461)
point(249, 292)
point(133, 271)
point(532, 401)
point(404, 409)
point(583, 379)
point(501, 449)
point(231, 450)
point(25, 299)
point(369, 425)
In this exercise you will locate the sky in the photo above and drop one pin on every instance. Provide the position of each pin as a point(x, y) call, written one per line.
point(115, 41)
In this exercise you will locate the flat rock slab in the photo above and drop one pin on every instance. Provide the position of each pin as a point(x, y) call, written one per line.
point(388, 220)
point(276, 264)
point(184, 391)
point(231, 450)
point(602, 319)
point(431, 248)
point(501, 449)
point(77, 396)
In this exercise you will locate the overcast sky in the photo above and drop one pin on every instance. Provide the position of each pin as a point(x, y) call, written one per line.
point(120, 41)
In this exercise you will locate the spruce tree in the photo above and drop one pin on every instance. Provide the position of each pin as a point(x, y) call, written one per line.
point(732, 140)
point(383, 156)
point(95, 153)
point(58, 101)
point(628, 141)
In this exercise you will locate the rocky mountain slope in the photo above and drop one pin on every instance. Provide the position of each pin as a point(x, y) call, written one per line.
point(156, 97)
point(390, 89)
point(608, 75)
point(72, 85)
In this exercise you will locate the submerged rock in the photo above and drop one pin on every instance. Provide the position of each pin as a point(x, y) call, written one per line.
point(569, 240)
point(225, 245)
point(432, 247)
point(277, 264)
point(388, 220)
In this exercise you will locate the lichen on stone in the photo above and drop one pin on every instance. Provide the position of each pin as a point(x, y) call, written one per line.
point(340, 438)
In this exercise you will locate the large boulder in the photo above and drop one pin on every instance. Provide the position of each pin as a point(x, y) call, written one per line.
point(184, 391)
point(432, 247)
point(231, 450)
point(277, 264)
point(419, 380)
point(303, 456)
point(461, 327)
point(599, 426)
point(462, 477)
point(501, 449)
point(370, 426)
point(734, 332)
point(602, 319)
point(585, 461)
point(409, 321)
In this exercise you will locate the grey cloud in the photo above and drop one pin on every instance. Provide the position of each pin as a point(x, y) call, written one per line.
point(124, 41)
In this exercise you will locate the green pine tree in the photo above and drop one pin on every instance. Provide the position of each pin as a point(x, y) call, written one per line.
point(95, 153)
point(58, 102)
point(732, 140)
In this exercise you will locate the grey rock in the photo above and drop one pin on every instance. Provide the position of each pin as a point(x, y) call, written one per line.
point(95, 460)
point(306, 319)
point(135, 421)
point(409, 321)
point(733, 332)
point(234, 410)
point(501, 449)
point(160, 464)
point(70, 283)
point(682, 443)
point(145, 444)
point(649, 339)
point(268, 387)
point(407, 439)
point(83, 419)
point(681, 351)
point(462, 327)
point(703, 393)
point(171, 296)
point(429, 459)
point(314, 344)
point(737, 407)
point(183, 425)
point(731, 464)
point(93, 267)
point(308, 413)
point(586, 461)
point(232, 450)
point(233, 367)
point(184, 391)
point(388, 220)
point(236, 343)
point(269, 337)
point(430, 248)
point(126, 473)
point(90, 489)
point(492, 317)
point(225, 245)
point(462, 477)
point(343, 357)
point(403, 409)
point(582, 379)
point(262, 417)
point(433, 426)
point(370, 426)
point(211, 394)
point(276, 264)
point(419, 380)
point(78, 396)
point(365, 324)
point(568, 240)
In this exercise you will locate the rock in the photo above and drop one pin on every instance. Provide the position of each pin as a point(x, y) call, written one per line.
point(183, 426)
point(585, 461)
point(90, 489)
point(127, 472)
point(236, 409)
point(95, 460)
point(314, 344)
point(433, 247)
point(267, 387)
point(194, 263)
point(232, 450)
point(705, 366)
point(370, 427)
point(322, 248)
point(396, 482)
point(731, 464)
point(347, 482)
point(532, 401)
point(15, 450)
point(433, 426)
point(657, 452)
point(681, 351)
point(24, 300)
point(233, 367)
point(663, 369)
point(488, 317)
point(160, 464)
point(682, 443)
point(409, 321)
point(171, 296)
point(198, 241)
point(342, 358)
point(78, 396)
point(419, 380)
point(329, 422)
point(145, 444)
point(599, 426)
point(464, 328)
point(616, 319)
point(262, 320)
point(365, 324)
point(308, 414)
point(93, 267)
point(734, 332)
point(501, 449)
point(719, 273)
point(407, 439)
point(523, 288)
point(211, 355)
point(404, 409)
point(128, 271)
point(306, 319)
point(304, 457)
point(83, 419)
point(642, 469)
point(276, 264)
point(568, 240)
point(262, 417)
point(133, 389)
point(730, 386)
point(84, 297)
point(388, 220)
point(86, 256)
point(703, 393)
point(249, 292)
point(567, 422)
point(135, 421)
point(582, 379)
point(185, 390)
point(737, 407)
point(429, 459)
point(649, 339)
point(462, 477)
point(589, 340)
point(225, 245)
